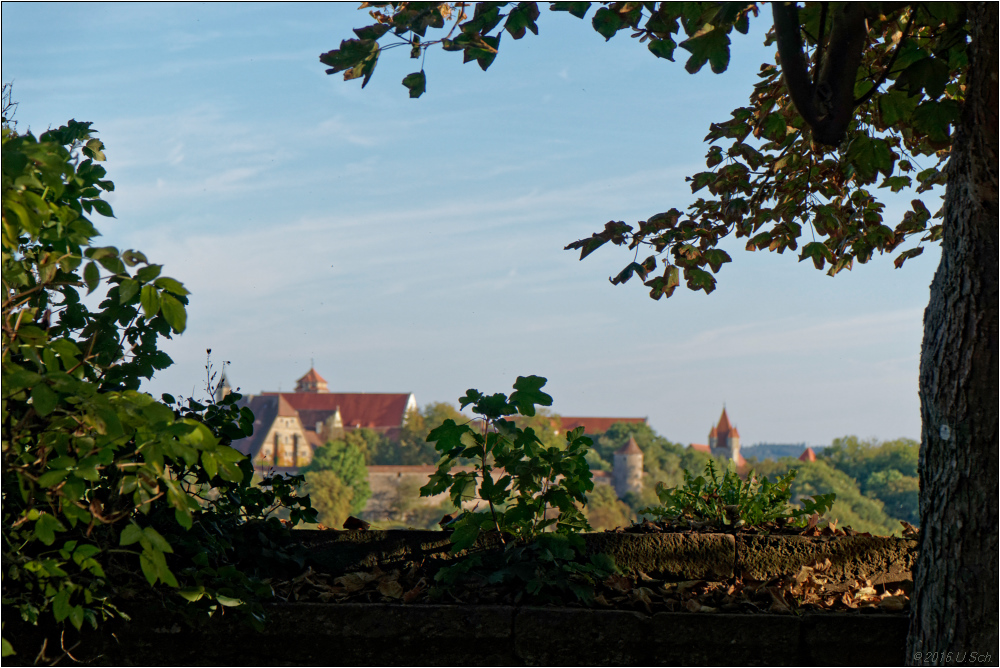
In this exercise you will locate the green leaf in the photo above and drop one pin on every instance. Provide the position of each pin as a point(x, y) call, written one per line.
point(935, 118)
point(148, 567)
point(46, 527)
point(173, 312)
point(102, 208)
point(156, 540)
point(60, 604)
point(52, 478)
point(91, 276)
point(372, 32)
point(416, 83)
point(171, 285)
point(76, 616)
point(131, 534)
point(527, 394)
point(577, 9)
point(148, 273)
point(662, 48)
point(228, 601)
point(709, 44)
point(607, 22)
point(44, 399)
point(127, 289)
point(522, 17)
point(150, 300)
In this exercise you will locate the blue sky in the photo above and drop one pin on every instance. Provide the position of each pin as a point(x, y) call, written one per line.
point(416, 245)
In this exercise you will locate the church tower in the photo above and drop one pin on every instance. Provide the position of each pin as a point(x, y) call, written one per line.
point(724, 439)
point(311, 382)
point(627, 470)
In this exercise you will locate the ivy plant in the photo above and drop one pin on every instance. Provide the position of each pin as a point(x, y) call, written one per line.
point(105, 486)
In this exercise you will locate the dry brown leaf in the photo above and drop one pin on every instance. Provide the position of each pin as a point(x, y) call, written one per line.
point(412, 595)
point(641, 595)
point(390, 589)
point(355, 581)
point(893, 603)
point(618, 583)
point(688, 585)
point(909, 531)
point(865, 592)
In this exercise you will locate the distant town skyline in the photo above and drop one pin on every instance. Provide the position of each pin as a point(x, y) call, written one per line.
point(417, 245)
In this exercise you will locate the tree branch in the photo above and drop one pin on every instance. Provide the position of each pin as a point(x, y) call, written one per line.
point(794, 67)
point(827, 106)
point(892, 61)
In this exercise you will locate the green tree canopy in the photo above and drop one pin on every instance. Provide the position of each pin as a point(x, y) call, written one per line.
point(852, 508)
point(862, 97)
point(874, 90)
point(330, 496)
point(884, 470)
point(105, 488)
point(345, 459)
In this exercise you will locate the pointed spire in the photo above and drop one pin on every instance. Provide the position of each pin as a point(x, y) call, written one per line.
point(724, 426)
point(630, 448)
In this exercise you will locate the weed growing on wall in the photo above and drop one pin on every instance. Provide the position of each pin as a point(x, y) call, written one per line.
point(731, 501)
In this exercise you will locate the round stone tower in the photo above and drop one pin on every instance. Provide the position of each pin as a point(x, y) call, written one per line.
point(627, 470)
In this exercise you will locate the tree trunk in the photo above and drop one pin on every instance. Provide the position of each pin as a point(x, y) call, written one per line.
point(956, 581)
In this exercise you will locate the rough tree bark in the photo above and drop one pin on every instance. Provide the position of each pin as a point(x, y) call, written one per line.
point(956, 580)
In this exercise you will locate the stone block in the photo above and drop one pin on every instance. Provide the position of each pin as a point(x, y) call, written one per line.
point(672, 556)
point(575, 636)
point(877, 558)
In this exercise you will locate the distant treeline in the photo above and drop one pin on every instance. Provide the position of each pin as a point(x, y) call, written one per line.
point(875, 482)
point(776, 451)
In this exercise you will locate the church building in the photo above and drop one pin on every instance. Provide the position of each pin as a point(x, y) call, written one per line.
point(289, 426)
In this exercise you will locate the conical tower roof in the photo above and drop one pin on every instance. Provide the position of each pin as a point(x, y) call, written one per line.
point(724, 426)
point(630, 448)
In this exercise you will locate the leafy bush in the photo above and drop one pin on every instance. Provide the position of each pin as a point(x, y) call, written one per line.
point(346, 459)
point(101, 482)
point(528, 489)
point(732, 501)
point(531, 480)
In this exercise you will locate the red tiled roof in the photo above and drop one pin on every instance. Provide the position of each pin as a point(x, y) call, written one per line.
point(701, 447)
point(734, 432)
point(285, 409)
point(597, 425)
point(808, 456)
point(311, 377)
point(379, 411)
